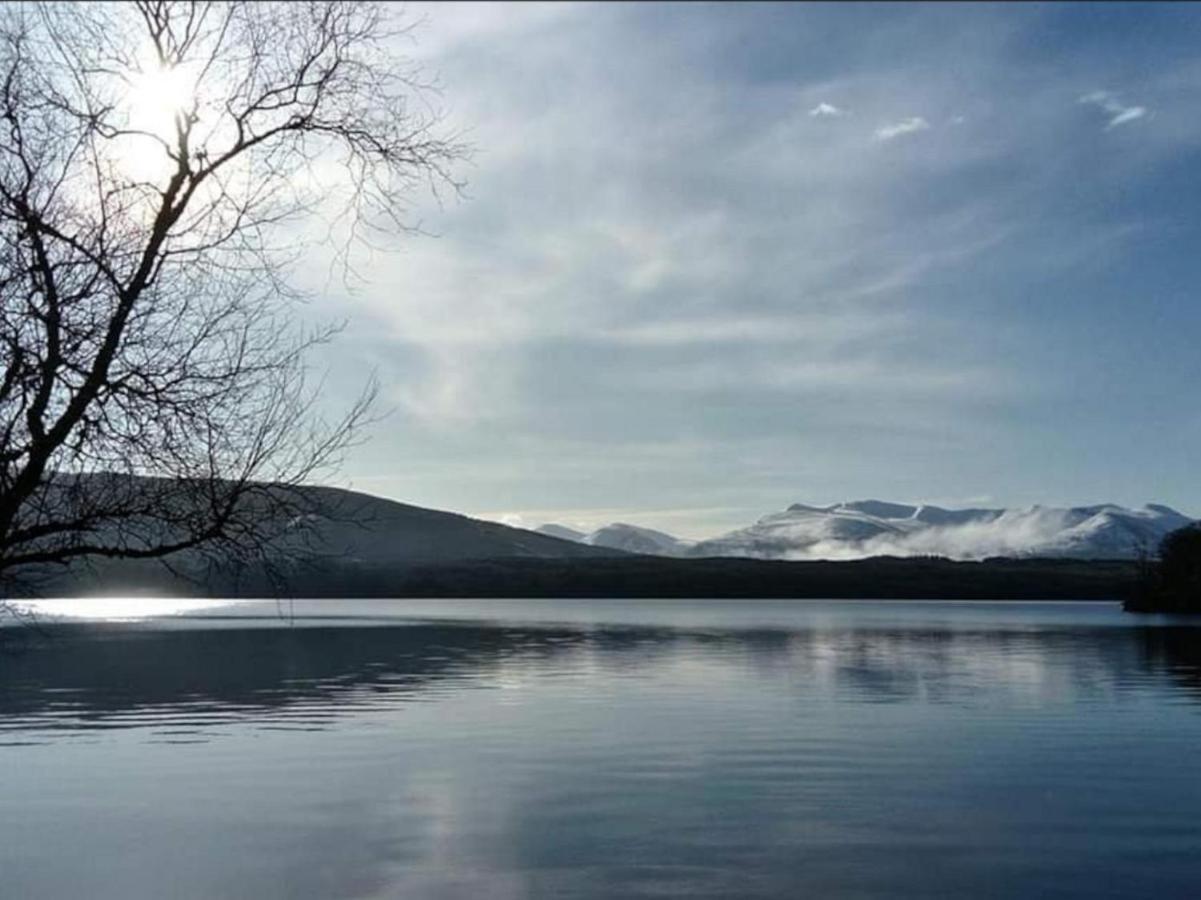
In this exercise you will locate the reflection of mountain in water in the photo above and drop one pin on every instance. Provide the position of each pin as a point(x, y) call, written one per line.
point(89, 677)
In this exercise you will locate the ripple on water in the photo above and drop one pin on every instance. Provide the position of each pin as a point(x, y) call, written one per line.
point(761, 751)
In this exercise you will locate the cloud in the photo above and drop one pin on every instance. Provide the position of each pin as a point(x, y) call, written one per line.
point(905, 126)
point(801, 302)
point(1128, 115)
point(1119, 113)
point(828, 329)
point(827, 111)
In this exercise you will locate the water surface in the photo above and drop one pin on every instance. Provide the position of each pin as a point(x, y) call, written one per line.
point(600, 749)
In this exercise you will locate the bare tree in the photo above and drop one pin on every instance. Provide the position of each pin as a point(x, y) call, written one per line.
point(153, 157)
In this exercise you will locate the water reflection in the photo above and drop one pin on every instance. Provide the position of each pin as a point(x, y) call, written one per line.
point(1174, 653)
point(90, 677)
point(791, 751)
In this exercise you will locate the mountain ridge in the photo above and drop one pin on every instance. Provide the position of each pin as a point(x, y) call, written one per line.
point(625, 537)
point(861, 529)
point(341, 530)
point(361, 545)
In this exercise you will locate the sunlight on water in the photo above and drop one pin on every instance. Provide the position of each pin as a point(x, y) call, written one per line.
point(118, 609)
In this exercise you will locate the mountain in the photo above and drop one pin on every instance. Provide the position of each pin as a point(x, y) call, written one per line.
point(876, 528)
point(865, 528)
point(624, 537)
point(371, 529)
point(562, 532)
point(345, 536)
point(352, 544)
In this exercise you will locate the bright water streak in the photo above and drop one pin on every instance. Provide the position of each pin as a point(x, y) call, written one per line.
point(601, 749)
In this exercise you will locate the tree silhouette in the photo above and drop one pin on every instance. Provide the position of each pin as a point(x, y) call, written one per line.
point(153, 395)
point(1173, 583)
point(1180, 567)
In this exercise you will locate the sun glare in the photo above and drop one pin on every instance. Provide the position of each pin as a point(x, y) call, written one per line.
point(156, 96)
point(114, 609)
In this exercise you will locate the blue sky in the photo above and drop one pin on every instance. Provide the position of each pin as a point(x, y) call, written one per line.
point(716, 259)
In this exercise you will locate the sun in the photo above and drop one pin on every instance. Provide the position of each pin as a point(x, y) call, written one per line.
point(161, 92)
point(156, 96)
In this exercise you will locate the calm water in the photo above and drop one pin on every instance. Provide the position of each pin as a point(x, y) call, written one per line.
point(586, 749)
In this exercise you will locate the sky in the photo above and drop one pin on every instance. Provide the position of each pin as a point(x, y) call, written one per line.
point(714, 259)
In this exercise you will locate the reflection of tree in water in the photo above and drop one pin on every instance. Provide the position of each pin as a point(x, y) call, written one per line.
point(89, 676)
point(99, 674)
point(98, 671)
point(1174, 652)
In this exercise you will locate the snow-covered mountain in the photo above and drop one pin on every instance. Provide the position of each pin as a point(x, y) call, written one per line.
point(877, 528)
point(620, 536)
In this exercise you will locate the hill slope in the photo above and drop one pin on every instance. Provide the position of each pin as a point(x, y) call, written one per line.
point(345, 532)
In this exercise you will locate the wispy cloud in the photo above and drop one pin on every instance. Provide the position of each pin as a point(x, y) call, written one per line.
point(809, 301)
point(825, 110)
point(826, 328)
point(906, 126)
point(1118, 112)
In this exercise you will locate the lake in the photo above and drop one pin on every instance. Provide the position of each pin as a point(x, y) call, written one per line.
point(588, 749)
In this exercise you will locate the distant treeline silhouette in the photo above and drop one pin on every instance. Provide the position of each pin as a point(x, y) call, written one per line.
point(1172, 582)
point(634, 577)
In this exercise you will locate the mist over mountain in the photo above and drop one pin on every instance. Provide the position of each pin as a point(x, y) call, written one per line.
point(866, 528)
